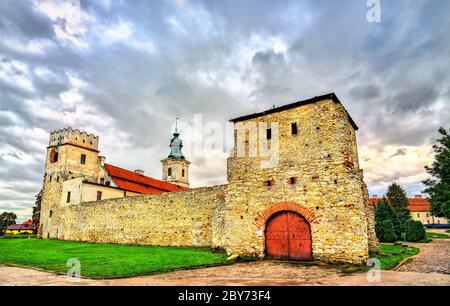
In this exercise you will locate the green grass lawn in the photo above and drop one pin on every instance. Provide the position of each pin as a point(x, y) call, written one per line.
point(393, 254)
point(431, 235)
point(104, 260)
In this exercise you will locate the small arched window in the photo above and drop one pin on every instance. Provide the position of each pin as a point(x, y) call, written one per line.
point(53, 156)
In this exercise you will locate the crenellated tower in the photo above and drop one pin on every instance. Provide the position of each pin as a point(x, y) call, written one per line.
point(72, 153)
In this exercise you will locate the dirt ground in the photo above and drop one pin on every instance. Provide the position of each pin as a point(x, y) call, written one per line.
point(431, 267)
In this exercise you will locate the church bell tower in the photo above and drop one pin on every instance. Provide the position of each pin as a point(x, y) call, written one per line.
point(175, 166)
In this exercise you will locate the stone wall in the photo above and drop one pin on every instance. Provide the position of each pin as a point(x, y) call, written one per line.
point(50, 208)
point(374, 244)
point(182, 218)
point(316, 174)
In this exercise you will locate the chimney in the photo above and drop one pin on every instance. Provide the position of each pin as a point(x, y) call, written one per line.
point(140, 172)
point(419, 196)
point(102, 160)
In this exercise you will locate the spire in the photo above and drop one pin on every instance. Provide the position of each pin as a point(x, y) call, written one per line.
point(176, 144)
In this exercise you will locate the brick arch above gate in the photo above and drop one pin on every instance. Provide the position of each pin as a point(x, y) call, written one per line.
point(306, 213)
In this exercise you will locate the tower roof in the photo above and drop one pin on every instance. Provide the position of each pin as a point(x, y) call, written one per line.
point(331, 96)
point(176, 144)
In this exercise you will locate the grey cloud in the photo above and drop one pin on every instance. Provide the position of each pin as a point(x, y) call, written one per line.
point(414, 98)
point(268, 57)
point(365, 92)
point(12, 154)
point(23, 21)
point(32, 173)
point(384, 73)
point(399, 152)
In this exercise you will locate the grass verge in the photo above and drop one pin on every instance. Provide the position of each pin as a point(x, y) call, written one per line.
point(104, 260)
point(431, 235)
point(392, 254)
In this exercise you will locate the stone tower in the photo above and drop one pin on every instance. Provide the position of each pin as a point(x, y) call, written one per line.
point(175, 166)
point(298, 162)
point(70, 154)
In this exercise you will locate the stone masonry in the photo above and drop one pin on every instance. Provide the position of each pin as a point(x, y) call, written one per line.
point(313, 172)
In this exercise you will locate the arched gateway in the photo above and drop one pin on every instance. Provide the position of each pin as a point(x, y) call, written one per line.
point(288, 236)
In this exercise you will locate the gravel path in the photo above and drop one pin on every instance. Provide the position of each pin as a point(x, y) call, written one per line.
point(429, 268)
point(434, 257)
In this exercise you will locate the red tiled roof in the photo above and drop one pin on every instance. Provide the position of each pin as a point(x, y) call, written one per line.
point(132, 181)
point(419, 201)
point(375, 200)
point(414, 204)
point(419, 204)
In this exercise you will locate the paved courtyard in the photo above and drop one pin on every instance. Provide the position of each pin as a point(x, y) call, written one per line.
point(433, 258)
point(429, 267)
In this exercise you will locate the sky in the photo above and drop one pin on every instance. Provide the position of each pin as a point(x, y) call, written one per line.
point(124, 70)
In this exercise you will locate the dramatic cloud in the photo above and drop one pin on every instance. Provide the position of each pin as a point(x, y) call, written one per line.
point(124, 70)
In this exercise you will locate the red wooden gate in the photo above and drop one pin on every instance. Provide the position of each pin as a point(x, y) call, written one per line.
point(288, 236)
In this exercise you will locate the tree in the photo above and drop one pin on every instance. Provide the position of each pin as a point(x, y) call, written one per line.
point(385, 231)
point(7, 219)
point(414, 231)
point(37, 209)
point(439, 186)
point(396, 197)
point(383, 212)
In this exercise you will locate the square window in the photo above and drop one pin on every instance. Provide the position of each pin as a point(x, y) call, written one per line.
point(68, 197)
point(99, 195)
point(269, 133)
point(169, 172)
point(83, 159)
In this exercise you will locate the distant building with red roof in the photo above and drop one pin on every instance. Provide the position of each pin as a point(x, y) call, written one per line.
point(26, 227)
point(420, 209)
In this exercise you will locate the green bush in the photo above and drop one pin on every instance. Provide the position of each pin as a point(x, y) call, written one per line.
point(414, 231)
point(385, 231)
